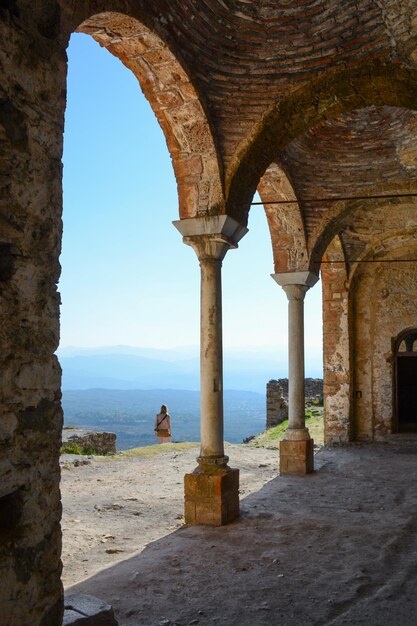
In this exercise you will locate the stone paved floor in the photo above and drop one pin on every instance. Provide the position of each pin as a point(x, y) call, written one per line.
point(336, 547)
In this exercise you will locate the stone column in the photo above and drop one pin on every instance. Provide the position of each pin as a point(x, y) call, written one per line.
point(211, 491)
point(296, 449)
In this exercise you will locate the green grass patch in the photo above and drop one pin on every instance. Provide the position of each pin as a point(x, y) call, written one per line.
point(74, 448)
point(154, 450)
point(272, 436)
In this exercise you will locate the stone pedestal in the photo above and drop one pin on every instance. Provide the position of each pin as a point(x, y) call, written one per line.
point(211, 496)
point(296, 457)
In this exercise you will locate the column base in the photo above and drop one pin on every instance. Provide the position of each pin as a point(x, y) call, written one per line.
point(296, 457)
point(211, 496)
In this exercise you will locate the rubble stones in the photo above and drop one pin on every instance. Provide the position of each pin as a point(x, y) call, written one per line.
point(88, 440)
point(86, 610)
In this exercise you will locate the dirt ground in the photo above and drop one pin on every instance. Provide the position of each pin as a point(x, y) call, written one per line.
point(335, 547)
point(113, 508)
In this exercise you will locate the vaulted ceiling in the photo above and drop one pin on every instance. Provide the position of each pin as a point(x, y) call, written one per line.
point(303, 99)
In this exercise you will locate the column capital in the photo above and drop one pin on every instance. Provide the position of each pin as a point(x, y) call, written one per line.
point(307, 279)
point(295, 292)
point(211, 236)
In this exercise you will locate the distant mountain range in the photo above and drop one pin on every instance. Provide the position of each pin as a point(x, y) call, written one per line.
point(127, 367)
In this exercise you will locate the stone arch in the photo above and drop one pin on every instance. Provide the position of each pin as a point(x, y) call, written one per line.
point(340, 215)
point(329, 96)
point(391, 245)
point(175, 102)
point(286, 224)
point(408, 337)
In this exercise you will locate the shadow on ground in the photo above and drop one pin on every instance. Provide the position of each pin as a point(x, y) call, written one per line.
point(336, 547)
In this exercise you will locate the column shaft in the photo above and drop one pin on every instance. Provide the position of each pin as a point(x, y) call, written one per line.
point(211, 491)
point(296, 395)
point(296, 449)
point(211, 361)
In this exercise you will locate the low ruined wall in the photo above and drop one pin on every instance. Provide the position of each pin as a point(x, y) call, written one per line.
point(276, 404)
point(277, 398)
point(90, 440)
point(313, 387)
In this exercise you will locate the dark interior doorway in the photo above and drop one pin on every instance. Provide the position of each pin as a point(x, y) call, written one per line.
point(406, 382)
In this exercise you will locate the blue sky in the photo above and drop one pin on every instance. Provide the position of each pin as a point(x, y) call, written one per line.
point(127, 278)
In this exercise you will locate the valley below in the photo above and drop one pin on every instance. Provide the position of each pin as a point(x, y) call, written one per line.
point(130, 413)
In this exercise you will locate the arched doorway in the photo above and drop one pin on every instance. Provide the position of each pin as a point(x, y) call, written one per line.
point(406, 381)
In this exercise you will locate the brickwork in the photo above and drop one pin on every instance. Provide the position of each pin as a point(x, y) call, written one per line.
point(321, 101)
point(290, 248)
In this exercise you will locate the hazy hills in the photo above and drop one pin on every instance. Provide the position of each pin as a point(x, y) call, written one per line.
point(126, 367)
point(131, 413)
point(121, 388)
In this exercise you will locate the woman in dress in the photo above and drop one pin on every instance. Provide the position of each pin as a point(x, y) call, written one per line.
point(163, 425)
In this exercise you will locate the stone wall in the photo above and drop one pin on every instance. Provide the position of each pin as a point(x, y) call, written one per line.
point(313, 387)
point(378, 290)
point(32, 103)
point(277, 398)
point(336, 352)
point(99, 442)
point(276, 404)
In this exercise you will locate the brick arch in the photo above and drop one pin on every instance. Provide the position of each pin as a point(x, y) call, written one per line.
point(393, 245)
point(366, 212)
point(175, 102)
point(285, 221)
point(329, 96)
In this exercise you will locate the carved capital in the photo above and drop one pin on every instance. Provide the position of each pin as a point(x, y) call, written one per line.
point(211, 236)
point(305, 278)
point(209, 247)
point(295, 292)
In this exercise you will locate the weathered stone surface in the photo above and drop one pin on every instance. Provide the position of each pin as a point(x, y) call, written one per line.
point(380, 290)
point(211, 496)
point(86, 610)
point(296, 457)
point(276, 404)
point(313, 387)
point(336, 352)
point(99, 442)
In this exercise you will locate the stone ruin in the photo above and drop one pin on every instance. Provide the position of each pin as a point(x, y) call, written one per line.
point(276, 404)
point(277, 398)
point(89, 440)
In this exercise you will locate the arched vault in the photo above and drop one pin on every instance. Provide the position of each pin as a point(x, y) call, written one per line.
point(332, 95)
